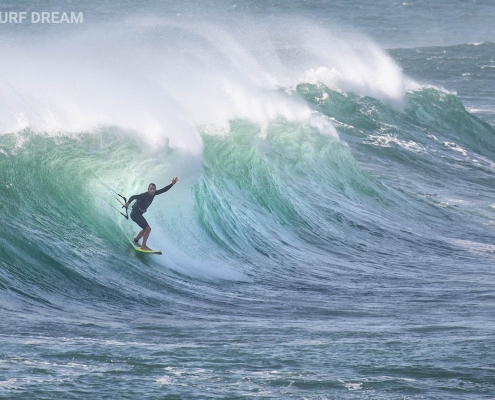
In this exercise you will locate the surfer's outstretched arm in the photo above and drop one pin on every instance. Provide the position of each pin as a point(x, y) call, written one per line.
point(163, 190)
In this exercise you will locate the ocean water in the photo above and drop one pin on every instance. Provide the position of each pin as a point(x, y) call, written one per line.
point(332, 233)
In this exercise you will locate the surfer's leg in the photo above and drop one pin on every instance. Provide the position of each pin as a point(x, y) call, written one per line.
point(143, 224)
point(141, 221)
point(146, 231)
point(138, 237)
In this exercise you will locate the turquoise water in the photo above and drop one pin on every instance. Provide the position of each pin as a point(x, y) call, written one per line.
point(331, 233)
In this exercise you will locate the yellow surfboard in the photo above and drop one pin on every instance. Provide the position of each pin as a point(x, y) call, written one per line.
point(138, 248)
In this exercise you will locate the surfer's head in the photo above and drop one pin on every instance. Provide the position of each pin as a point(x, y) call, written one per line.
point(151, 189)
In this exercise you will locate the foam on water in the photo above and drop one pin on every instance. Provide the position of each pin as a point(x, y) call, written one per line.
point(163, 79)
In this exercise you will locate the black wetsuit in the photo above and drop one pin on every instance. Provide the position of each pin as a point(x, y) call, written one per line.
point(144, 200)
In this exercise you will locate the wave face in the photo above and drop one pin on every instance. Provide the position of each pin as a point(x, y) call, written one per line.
point(329, 237)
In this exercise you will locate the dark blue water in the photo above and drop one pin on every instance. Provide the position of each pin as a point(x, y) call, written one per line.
point(331, 233)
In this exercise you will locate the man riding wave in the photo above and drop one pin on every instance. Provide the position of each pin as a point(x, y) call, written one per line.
point(144, 200)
